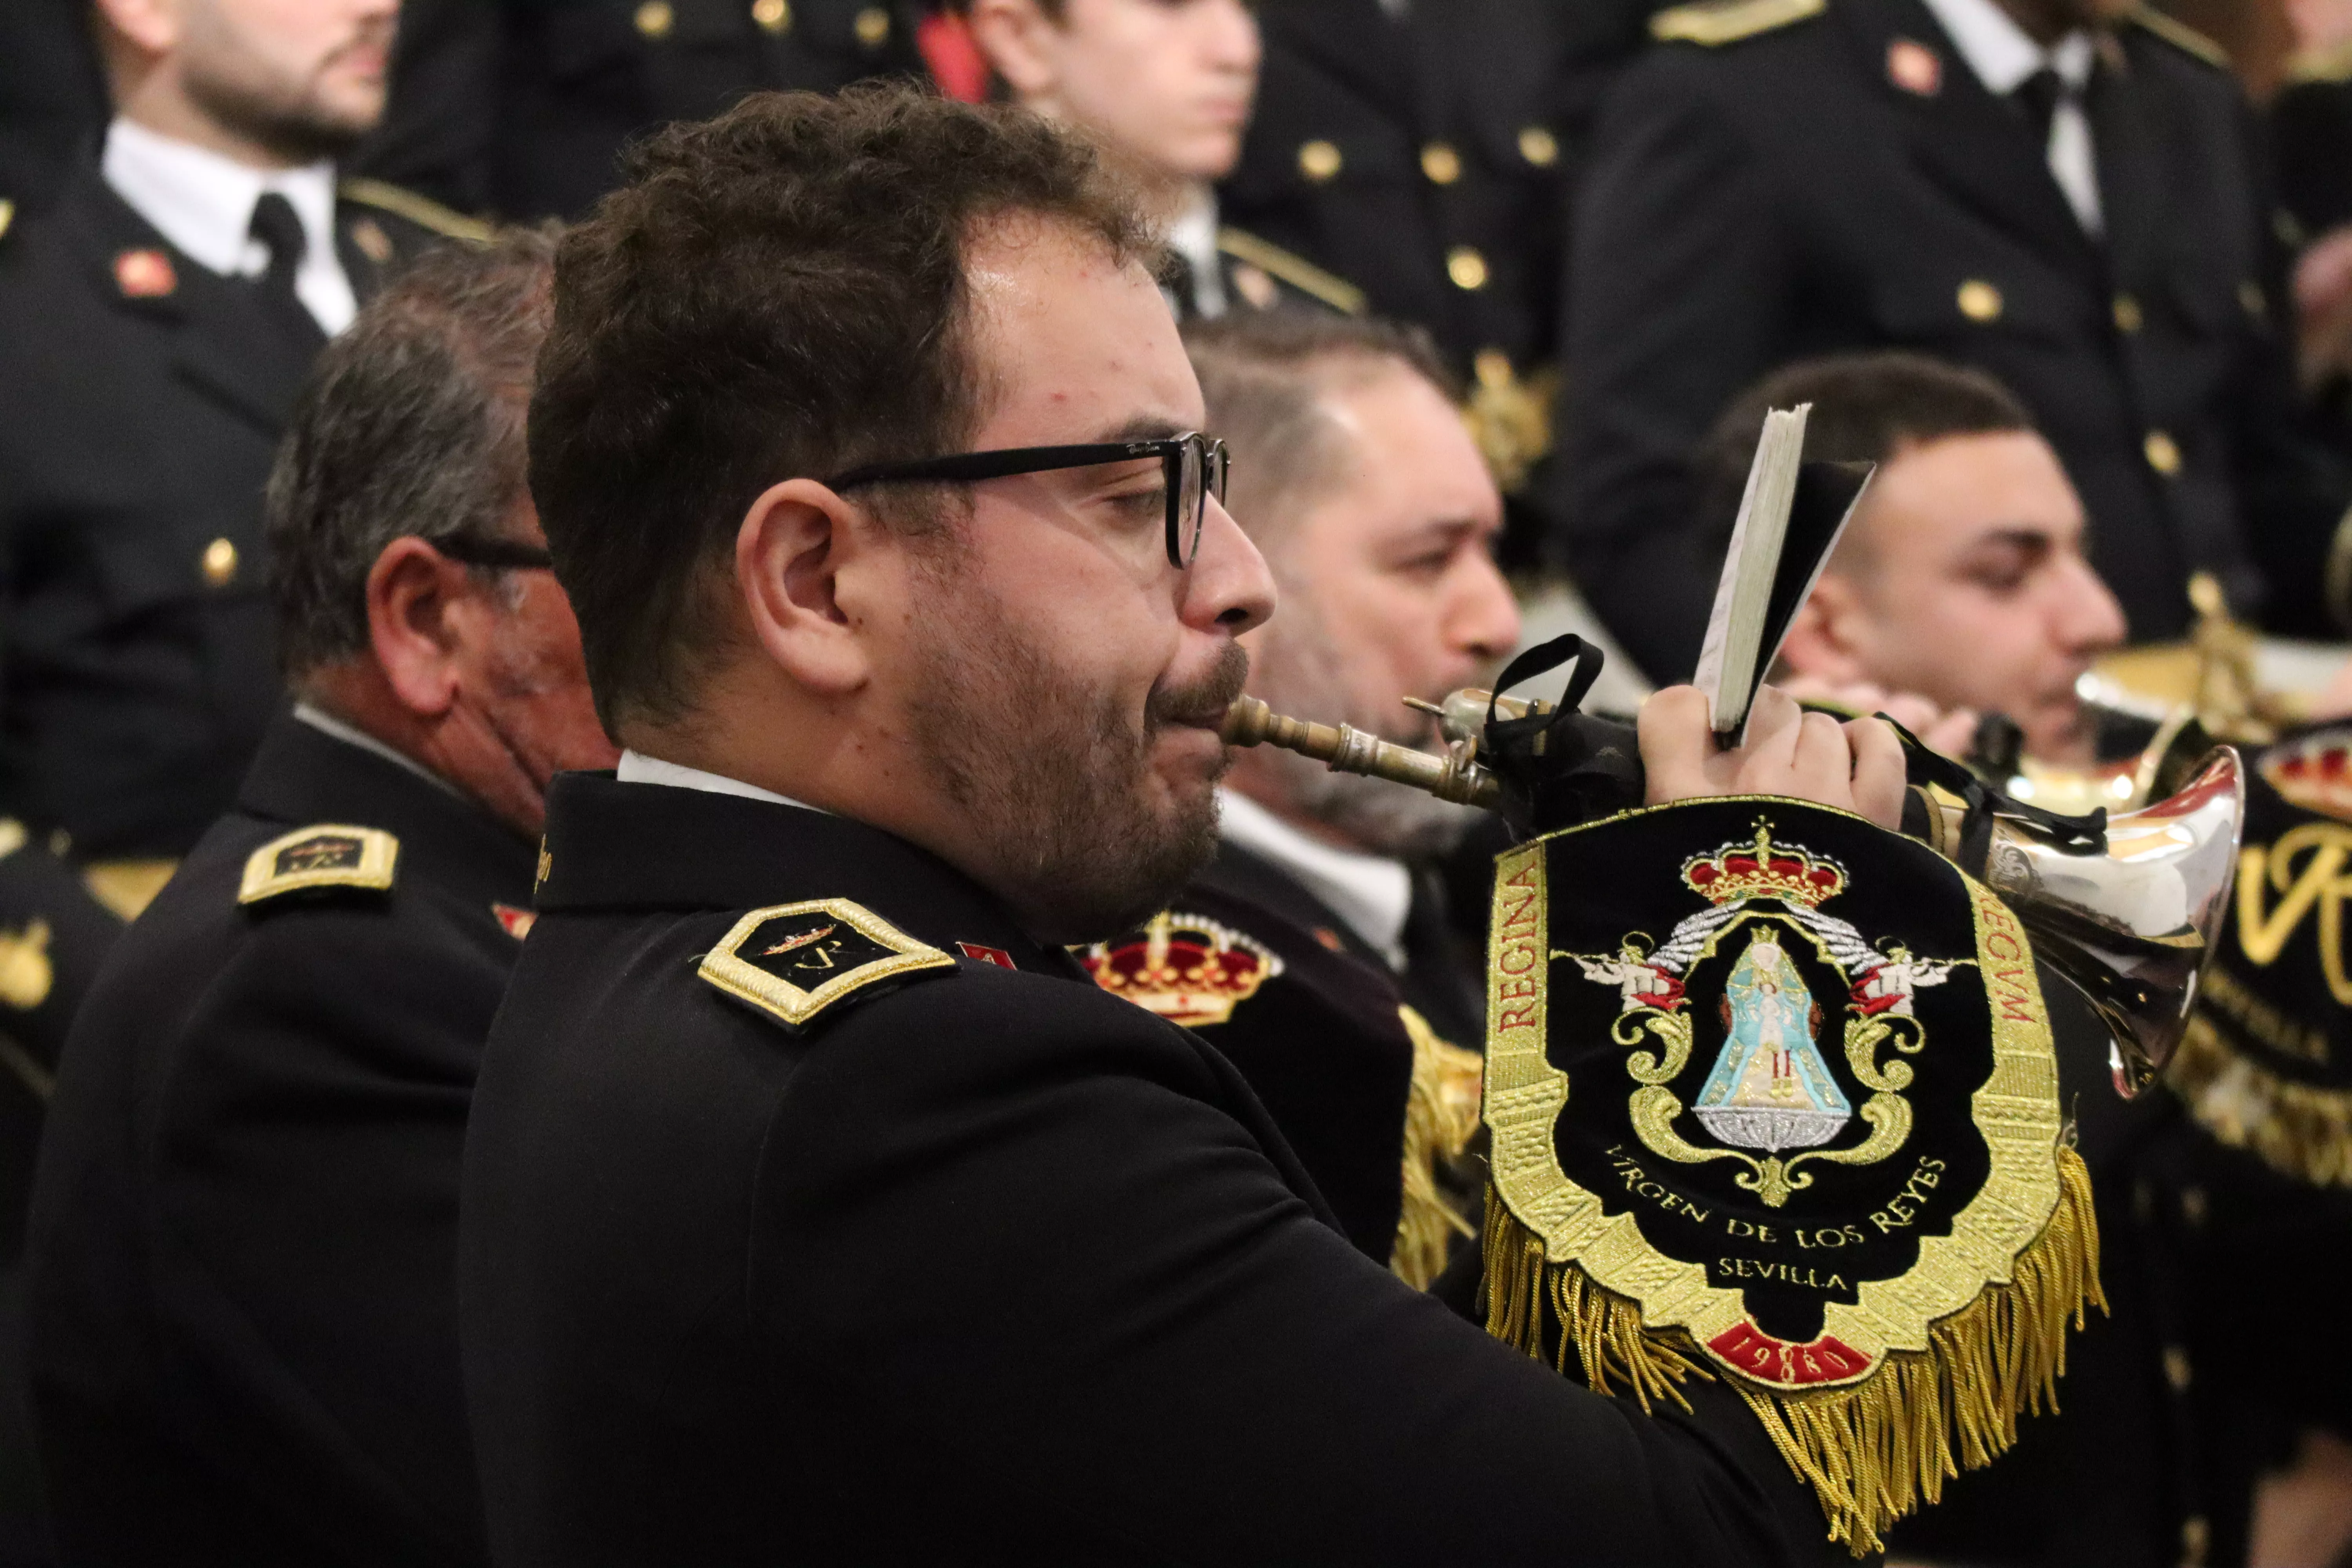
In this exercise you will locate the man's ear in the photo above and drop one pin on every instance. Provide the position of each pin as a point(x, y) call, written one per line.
point(1822, 640)
point(1014, 36)
point(151, 26)
point(805, 563)
point(413, 594)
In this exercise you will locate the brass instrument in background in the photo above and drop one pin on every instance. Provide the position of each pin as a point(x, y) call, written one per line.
point(2147, 748)
point(2128, 924)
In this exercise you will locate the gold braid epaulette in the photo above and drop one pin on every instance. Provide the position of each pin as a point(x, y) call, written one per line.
point(2298, 1130)
point(1877, 1450)
point(1440, 1116)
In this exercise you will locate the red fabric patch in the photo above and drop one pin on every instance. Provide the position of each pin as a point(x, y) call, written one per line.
point(144, 274)
point(517, 922)
point(945, 42)
point(1914, 67)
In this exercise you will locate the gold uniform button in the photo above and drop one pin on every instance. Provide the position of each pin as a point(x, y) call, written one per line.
point(2257, 303)
point(219, 563)
point(7, 213)
point(2163, 453)
point(1979, 300)
point(1441, 163)
point(773, 16)
point(1467, 268)
point(872, 27)
point(1318, 160)
point(2128, 318)
point(2175, 1368)
point(1539, 146)
point(655, 18)
point(2196, 1540)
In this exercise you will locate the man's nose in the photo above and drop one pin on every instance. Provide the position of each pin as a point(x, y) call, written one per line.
point(1227, 586)
point(2087, 617)
point(1233, 41)
point(1484, 618)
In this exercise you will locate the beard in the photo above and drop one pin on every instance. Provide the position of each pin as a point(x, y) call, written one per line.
point(1297, 673)
point(1055, 777)
point(291, 121)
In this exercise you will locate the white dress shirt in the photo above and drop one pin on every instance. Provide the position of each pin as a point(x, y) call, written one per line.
point(636, 767)
point(2002, 55)
point(202, 202)
point(1371, 892)
point(1194, 236)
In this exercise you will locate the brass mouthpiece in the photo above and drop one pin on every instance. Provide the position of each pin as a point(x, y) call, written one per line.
point(1345, 749)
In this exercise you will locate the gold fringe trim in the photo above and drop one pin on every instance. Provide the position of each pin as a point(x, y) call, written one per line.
point(1876, 1451)
point(1441, 1115)
point(2296, 1129)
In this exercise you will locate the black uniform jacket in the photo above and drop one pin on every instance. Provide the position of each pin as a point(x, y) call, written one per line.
point(52, 98)
point(1786, 194)
point(1308, 1017)
point(990, 1267)
point(145, 396)
point(1420, 159)
point(244, 1331)
point(578, 80)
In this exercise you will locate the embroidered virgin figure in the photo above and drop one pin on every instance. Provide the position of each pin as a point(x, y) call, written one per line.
point(1770, 1089)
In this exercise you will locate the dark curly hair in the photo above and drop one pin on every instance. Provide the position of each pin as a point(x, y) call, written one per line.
point(775, 293)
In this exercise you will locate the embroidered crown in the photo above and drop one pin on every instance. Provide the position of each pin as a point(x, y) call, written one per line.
point(1760, 869)
point(1183, 967)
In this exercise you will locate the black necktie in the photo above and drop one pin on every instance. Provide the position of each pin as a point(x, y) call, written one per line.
point(2039, 95)
point(279, 231)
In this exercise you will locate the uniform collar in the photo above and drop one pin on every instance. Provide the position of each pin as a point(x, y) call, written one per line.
point(318, 719)
point(304, 775)
point(612, 847)
point(639, 768)
point(202, 202)
point(1372, 893)
point(2001, 53)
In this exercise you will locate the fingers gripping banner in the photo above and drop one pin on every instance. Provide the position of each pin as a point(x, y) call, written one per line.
point(1782, 1109)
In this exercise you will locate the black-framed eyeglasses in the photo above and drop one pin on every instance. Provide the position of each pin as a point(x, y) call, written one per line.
point(1195, 465)
point(498, 554)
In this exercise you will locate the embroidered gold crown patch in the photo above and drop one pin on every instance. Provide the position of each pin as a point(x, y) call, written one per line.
point(326, 855)
point(794, 961)
point(1188, 969)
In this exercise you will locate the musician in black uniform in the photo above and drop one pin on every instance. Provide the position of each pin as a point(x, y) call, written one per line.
point(158, 320)
point(1168, 89)
point(1422, 150)
point(817, 1207)
point(2040, 188)
point(244, 1345)
point(1360, 1029)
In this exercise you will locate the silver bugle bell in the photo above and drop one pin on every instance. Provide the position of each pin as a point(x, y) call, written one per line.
point(2130, 928)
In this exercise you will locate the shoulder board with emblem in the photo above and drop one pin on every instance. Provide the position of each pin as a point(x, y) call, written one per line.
point(422, 211)
point(1295, 270)
point(1716, 22)
point(2186, 39)
point(793, 962)
point(325, 855)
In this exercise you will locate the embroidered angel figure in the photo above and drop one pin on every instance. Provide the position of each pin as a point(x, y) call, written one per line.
point(1888, 986)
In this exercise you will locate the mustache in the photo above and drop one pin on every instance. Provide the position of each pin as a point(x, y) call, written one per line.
point(1201, 703)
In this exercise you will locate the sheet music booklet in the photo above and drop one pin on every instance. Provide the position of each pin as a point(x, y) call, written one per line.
point(1791, 516)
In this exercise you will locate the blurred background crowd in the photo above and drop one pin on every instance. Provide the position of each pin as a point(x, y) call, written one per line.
point(2075, 274)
